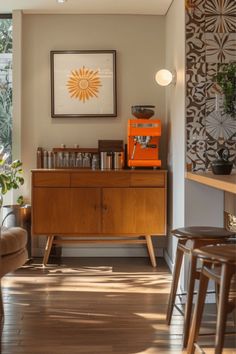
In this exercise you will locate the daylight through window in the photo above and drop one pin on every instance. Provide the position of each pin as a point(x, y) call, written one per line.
point(6, 82)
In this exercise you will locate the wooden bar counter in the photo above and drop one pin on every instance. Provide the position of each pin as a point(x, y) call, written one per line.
point(122, 206)
point(226, 183)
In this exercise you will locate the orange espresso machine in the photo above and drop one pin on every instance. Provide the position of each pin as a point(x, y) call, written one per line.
point(143, 143)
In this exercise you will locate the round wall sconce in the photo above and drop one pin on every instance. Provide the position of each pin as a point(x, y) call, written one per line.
point(165, 77)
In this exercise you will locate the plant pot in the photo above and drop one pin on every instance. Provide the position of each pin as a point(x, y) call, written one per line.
point(220, 167)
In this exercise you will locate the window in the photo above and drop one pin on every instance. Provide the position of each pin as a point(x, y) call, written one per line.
point(6, 81)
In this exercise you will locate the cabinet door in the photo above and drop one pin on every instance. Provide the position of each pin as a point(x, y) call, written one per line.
point(85, 210)
point(134, 211)
point(66, 210)
point(51, 210)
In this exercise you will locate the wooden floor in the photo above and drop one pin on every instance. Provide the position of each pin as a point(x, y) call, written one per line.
point(93, 306)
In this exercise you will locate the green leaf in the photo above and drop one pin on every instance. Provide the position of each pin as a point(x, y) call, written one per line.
point(226, 79)
point(20, 200)
point(16, 164)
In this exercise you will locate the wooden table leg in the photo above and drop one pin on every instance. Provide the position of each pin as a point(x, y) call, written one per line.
point(151, 250)
point(48, 249)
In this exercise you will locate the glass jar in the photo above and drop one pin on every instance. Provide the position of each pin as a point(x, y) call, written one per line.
point(95, 162)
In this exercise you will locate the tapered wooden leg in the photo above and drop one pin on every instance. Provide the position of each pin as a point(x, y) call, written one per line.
point(48, 249)
point(196, 322)
point(174, 285)
point(226, 274)
point(189, 300)
point(151, 250)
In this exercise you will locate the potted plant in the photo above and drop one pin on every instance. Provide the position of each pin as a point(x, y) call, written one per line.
point(226, 80)
point(10, 175)
point(15, 214)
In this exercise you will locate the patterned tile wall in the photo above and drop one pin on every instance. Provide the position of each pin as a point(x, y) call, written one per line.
point(210, 42)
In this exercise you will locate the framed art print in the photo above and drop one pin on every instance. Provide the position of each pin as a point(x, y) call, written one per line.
point(83, 83)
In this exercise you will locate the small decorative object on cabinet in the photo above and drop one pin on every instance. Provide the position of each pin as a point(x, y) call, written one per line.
point(111, 154)
point(63, 157)
point(73, 204)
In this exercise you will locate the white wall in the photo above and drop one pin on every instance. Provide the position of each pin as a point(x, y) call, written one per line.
point(175, 103)
point(140, 45)
point(204, 205)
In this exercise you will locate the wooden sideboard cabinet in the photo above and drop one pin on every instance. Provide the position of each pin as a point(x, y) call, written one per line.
point(75, 205)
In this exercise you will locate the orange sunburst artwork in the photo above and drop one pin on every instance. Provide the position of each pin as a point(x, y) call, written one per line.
point(83, 84)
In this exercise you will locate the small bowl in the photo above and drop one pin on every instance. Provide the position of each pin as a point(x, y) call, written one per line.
point(219, 168)
point(143, 111)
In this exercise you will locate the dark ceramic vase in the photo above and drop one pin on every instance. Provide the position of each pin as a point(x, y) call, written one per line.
point(222, 166)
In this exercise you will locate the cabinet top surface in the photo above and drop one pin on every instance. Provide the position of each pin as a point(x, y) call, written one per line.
point(84, 170)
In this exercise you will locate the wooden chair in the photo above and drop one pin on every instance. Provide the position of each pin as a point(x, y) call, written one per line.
point(225, 256)
point(190, 238)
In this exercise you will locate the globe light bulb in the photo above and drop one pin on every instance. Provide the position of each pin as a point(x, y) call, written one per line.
point(165, 77)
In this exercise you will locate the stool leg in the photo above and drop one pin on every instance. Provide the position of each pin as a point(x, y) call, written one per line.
point(194, 331)
point(189, 300)
point(226, 274)
point(174, 285)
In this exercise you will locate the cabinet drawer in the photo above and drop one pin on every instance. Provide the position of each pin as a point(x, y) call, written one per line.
point(51, 179)
point(100, 179)
point(147, 180)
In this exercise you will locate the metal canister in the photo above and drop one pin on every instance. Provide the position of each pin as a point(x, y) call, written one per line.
point(118, 160)
point(106, 160)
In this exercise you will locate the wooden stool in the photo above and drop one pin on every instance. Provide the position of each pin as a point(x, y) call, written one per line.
point(224, 255)
point(199, 236)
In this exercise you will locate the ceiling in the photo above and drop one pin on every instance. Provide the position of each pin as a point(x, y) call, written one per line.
point(136, 7)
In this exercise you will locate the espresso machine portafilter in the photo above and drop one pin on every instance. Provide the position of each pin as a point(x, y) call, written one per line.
point(142, 140)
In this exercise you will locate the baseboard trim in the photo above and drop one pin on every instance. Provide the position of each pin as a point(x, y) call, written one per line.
point(99, 251)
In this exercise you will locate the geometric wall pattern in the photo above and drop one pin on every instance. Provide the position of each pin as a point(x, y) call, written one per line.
point(210, 42)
